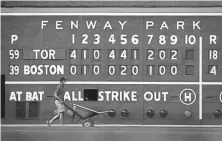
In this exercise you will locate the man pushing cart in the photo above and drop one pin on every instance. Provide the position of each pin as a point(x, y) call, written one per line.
point(60, 104)
point(83, 113)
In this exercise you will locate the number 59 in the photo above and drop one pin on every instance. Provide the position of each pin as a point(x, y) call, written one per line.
point(14, 54)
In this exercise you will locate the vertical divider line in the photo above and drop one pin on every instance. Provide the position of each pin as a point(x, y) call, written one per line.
point(142, 47)
point(200, 79)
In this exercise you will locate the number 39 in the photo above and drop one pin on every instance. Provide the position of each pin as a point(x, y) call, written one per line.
point(14, 70)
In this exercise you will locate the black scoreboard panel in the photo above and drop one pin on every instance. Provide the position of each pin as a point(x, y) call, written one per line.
point(129, 64)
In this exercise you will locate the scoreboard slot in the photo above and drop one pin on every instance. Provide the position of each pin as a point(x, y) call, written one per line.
point(90, 94)
point(21, 110)
point(189, 70)
point(189, 54)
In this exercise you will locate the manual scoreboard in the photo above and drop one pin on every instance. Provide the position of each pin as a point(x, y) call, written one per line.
point(148, 69)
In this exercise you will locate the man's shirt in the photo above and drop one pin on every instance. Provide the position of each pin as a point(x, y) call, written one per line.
point(60, 91)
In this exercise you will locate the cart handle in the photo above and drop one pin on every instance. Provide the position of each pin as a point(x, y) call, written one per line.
point(90, 109)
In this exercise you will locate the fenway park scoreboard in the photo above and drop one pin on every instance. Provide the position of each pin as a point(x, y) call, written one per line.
point(162, 69)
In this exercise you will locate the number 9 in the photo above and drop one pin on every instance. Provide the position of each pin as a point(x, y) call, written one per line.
point(173, 39)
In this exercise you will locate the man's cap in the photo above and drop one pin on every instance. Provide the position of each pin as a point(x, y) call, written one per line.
point(63, 79)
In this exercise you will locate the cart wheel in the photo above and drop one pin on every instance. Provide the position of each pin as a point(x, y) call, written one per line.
point(88, 123)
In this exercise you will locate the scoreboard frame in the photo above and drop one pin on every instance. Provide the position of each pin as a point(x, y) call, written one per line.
point(200, 83)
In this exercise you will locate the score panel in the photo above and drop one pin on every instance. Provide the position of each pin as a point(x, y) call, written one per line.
point(212, 51)
point(118, 48)
point(132, 104)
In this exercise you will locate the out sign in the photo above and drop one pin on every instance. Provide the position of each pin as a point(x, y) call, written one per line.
point(187, 96)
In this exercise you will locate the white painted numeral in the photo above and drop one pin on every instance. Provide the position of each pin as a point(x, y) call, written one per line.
point(213, 70)
point(124, 54)
point(73, 70)
point(14, 54)
point(173, 39)
point(96, 69)
point(73, 54)
point(162, 70)
point(96, 54)
point(150, 70)
point(150, 37)
point(162, 40)
point(135, 54)
point(84, 40)
point(112, 54)
point(135, 39)
point(174, 54)
point(112, 70)
point(135, 70)
point(97, 39)
point(190, 39)
point(150, 54)
point(123, 70)
point(14, 70)
point(112, 39)
point(213, 54)
point(173, 70)
point(123, 38)
point(162, 54)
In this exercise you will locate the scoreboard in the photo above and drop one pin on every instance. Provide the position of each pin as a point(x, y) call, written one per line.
point(148, 69)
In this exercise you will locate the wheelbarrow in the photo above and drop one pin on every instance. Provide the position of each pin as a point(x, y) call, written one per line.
point(84, 114)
